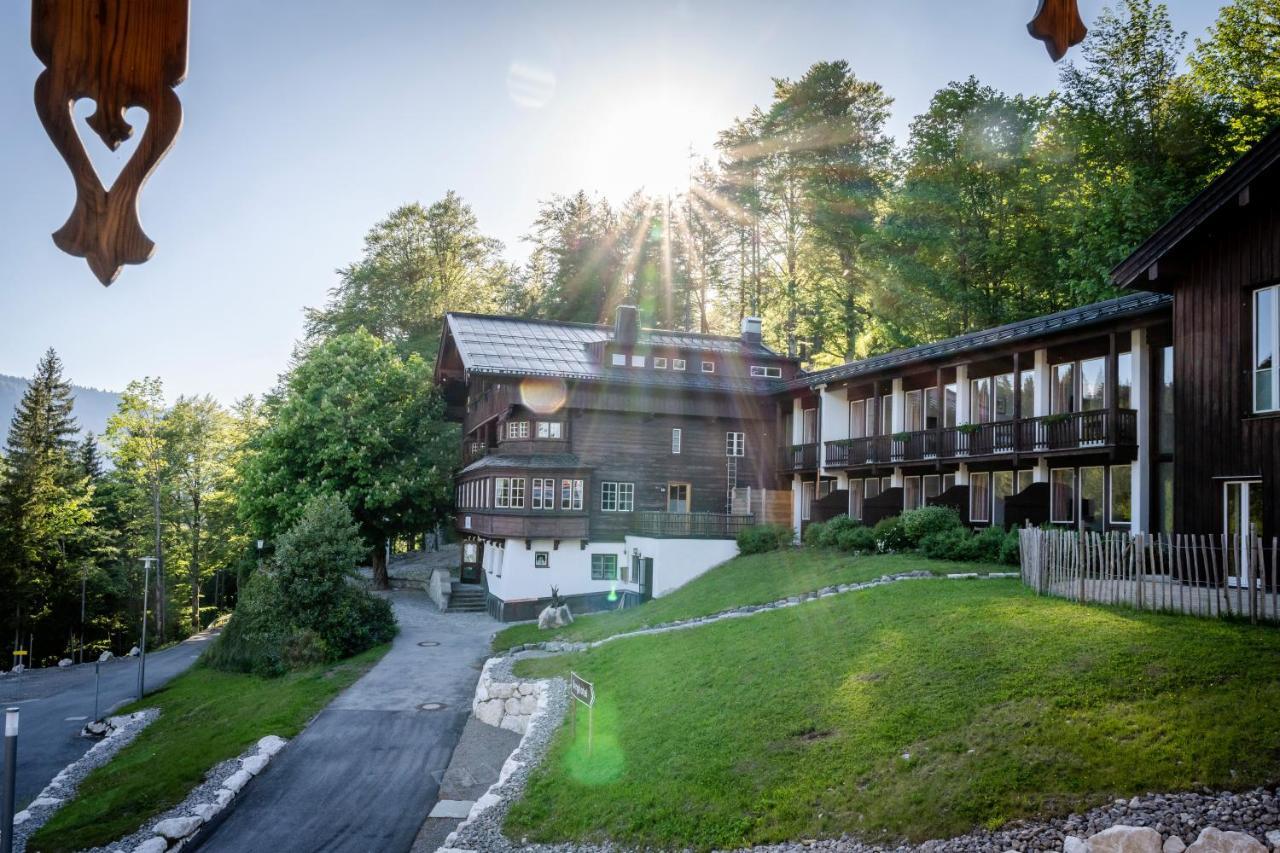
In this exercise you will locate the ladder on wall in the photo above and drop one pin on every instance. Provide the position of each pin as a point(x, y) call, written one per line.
point(731, 482)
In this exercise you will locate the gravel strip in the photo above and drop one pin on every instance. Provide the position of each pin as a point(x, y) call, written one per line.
point(64, 785)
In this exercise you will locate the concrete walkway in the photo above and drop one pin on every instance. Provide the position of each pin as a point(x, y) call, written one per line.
point(365, 773)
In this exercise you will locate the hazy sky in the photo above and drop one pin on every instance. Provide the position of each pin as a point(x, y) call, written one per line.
point(306, 122)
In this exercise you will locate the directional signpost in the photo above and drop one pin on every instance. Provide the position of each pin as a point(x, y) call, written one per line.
point(585, 692)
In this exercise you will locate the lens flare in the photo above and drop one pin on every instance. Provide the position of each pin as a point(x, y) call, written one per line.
point(543, 396)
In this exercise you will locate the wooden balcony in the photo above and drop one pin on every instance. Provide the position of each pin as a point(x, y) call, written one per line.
point(488, 405)
point(798, 457)
point(689, 525)
point(473, 450)
point(1078, 431)
point(522, 524)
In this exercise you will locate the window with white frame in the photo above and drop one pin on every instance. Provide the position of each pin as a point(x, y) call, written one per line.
point(855, 499)
point(948, 481)
point(807, 493)
point(619, 359)
point(735, 444)
point(1092, 486)
point(766, 371)
point(659, 362)
point(1120, 497)
point(857, 418)
point(678, 364)
point(910, 493)
point(708, 367)
point(502, 492)
point(571, 494)
point(517, 429)
point(1001, 490)
point(542, 493)
point(637, 361)
point(675, 439)
point(517, 493)
point(1025, 478)
point(930, 484)
point(980, 497)
point(549, 429)
point(871, 488)
point(604, 567)
point(1266, 346)
point(617, 497)
point(1062, 495)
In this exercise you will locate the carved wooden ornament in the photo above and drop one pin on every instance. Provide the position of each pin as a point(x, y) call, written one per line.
point(1058, 24)
point(122, 54)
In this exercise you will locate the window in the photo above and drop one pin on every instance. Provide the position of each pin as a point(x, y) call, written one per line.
point(1124, 380)
point(769, 372)
point(931, 484)
point(911, 493)
point(619, 359)
point(549, 429)
point(1062, 495)
point(1120, 504)
point(1093, 495)
point(806, 501)
point(543, 493)
point(660, 363)
point(1093, 373)
point(931, 408)
point(604, 567)
point(980, 496)
point(855, 499)
point(1025, 478)
point(617, 497)
point(1003, 397)
point(948, 481)
point(517, 429)
point(915, 411)
point(1266, 343)
point(857, 418)
point(637, 361)
point(1164, 498)
point(678, 497)
point(1001, 490)
point(1164, 401)
point(517, 492)
point(542, 559)
point(980, 400)
point(809, 426)
point(571, 494)
point(677, 364)
point(1063, 400)
point(949, 405)
point(886, 483)
point(502, 492)
point(675, 440)
point(708, 367)
point(1027, 391)
point(871, 488)
point(735, 444)
point(886, 416)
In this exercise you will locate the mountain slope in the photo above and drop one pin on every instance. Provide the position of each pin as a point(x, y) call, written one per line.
point(92, 408)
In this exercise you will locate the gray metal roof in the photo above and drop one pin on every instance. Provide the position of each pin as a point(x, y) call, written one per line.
point(1130, 305)
point(532, 460)
point(510, 346)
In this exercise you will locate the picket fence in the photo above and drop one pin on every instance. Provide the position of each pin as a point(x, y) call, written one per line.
point(1215, 576)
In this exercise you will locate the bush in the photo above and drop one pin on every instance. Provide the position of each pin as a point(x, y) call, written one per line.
point(919, 523)
point(1010, 551)
point(988, 543)
point(309, 606)
point(859, 540)
point(832, 529)
point(890, 536)
point(947, 545)
point(813, 532)
point(764, 537)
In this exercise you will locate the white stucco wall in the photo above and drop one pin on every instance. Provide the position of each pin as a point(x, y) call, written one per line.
point(678, 561)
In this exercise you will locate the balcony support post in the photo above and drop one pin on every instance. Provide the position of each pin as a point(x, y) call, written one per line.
point(1113, 391)
point(941, 416)
point(962, 394)
point(1043, 383)
point(1017, 401)
point(1140, 474)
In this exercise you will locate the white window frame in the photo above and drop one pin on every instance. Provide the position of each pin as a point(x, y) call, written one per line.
point(619, 359)
point(766, 371)
point(622, 496)
point(1274, 290)
point(1075, 497)
point(735, 444)
point(974, 476)
point(919, 487)
point(676, 436)
point(637, 361)
point(679, 364)
point(659, 362)
point(855, 499)
point(571, 489)
point(517, 429)
point(502, 492)
point(708, 367)
point(605, 573)
point(1127, 476)
point(516, 492)
point(542, 493)
point(549, 429)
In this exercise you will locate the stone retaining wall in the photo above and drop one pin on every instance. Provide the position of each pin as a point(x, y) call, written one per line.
point(503, 701)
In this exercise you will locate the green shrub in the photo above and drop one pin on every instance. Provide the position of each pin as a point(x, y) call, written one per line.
point(890, 535)
point(764, 537)
point(813, 533)
point(858, 540)
point(308, 605)
point(988, 543)
point(1010, 551)
point(919, 523)
point(831, 530)
point(948, 545)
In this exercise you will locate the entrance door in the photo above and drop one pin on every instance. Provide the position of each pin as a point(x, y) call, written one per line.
point(678, 497)
point(1242, 516)
point(472, 561)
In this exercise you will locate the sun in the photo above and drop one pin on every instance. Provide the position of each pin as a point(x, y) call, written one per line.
point(646, 139)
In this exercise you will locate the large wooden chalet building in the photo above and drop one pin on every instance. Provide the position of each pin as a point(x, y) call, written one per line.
point(617, 462)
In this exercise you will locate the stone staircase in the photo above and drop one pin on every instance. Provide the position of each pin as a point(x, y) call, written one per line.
point(467, 598)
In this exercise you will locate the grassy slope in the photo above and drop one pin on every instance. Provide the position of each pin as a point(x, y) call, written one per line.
point(206, 717)
point(792, 724)
point(756, 579)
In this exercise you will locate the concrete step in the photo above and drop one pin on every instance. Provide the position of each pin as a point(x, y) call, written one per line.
point(468, 608)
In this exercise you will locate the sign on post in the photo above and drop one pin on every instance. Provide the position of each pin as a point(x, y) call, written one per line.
point(585, 692)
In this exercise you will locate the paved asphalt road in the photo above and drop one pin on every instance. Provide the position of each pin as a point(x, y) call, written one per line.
point(364, 774)
point(56, 703)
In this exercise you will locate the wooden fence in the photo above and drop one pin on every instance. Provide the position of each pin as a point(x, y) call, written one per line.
point(1199, 575)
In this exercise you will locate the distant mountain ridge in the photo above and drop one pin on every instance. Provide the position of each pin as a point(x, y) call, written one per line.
point(92, 407)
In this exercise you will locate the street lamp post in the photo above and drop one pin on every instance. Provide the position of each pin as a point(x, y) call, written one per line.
point(142, 649)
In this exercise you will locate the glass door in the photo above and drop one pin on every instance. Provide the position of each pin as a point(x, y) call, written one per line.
point(678, 497)
point(1241, 519)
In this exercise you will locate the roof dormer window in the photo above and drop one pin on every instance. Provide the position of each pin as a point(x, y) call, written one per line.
point(678, 364)
point(708, 367)
point(760, 370)
point(637, 361)
point(619, 360)
point(660, 363)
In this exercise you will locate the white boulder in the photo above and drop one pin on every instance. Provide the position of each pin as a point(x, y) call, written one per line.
point(178, 828)
point(17, 668)
point(271, 744)
point(1174, 844)
point(64, 663)
point(104, 657)
point(134, 652)
point(1273, 838)
point(1125, 839)
point(205, 810)
point(563, 616)
point(236, 781)
point(43, 802)
point(1073, 844)
point(547, 619)
point(254, 764)
point(1214, 840)
point(223, 796)
point(154, 844)
point(490, 713)
point(21, 817)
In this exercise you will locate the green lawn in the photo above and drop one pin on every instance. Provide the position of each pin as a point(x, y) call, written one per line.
point(757, 579)
point(792, 724)
point(207, 716)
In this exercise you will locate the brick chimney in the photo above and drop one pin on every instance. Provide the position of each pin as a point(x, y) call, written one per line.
point(751, 330)
point(626, 325)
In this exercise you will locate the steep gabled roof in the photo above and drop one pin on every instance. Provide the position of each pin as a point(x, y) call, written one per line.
point(511, 346)
point(1225, 189)
point(1131, 305)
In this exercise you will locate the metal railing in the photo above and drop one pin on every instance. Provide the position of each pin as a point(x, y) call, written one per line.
point(689, 525)
point(798, 457)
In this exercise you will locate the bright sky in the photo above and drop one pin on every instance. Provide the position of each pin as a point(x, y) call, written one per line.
point(308, 120)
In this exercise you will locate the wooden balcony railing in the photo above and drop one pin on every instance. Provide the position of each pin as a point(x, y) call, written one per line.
point(1075, 431)
point(689, 525)
point(492, 402)
point(473, 450)
point(798, 457)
